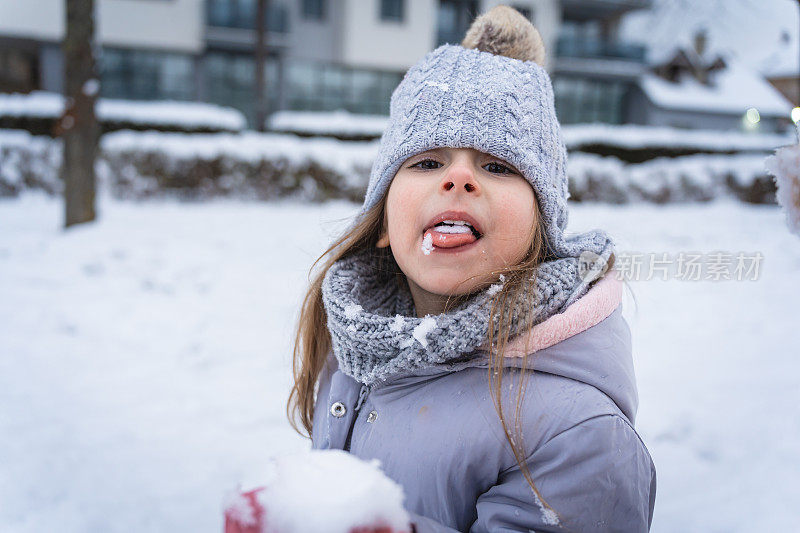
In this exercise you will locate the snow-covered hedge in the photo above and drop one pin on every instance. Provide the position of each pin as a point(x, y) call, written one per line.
point(244, 165)
point(38, 111)
point(630, 143)
point(144, 164)
point(28, 162)
point(636, 144)
point(691, 178)
point(338, 124)
point(249, 165)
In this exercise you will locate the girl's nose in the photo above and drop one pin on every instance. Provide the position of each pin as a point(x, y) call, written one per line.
point(460, 177)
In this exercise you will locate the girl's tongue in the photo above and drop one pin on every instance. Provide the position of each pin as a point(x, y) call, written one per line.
point(450, 236)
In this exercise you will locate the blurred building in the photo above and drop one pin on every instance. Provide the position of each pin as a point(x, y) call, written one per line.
point(691, 87)
point(595, 71)
point(322, 55)
point(785, 77)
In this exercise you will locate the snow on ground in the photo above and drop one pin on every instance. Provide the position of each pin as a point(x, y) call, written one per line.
point(146, 360)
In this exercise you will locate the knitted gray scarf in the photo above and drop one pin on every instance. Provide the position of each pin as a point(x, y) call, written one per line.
point(375, 332)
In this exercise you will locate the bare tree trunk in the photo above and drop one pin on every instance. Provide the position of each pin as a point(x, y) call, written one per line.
point(260, 58)
point(79, 124)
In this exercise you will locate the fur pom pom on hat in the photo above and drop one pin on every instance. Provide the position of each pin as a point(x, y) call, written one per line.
point(492, 94)
point(503, 31)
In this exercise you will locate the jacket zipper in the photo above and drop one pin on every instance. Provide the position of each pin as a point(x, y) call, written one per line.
point(362, 395)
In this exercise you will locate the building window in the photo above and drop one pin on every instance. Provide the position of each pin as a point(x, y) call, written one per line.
point(453, 20)
point(221, 13)
point(145, 75)
point(392, 10)
point(583, 100)
point(326, 87)
point(230, 81)
point(314, 9)
point(18, 71)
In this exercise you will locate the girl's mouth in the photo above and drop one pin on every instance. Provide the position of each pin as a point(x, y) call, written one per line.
point(449, 234)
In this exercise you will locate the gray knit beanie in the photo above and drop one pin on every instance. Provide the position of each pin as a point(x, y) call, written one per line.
point(461, 97)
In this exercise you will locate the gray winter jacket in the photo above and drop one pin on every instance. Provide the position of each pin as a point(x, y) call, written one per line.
point(437, 434)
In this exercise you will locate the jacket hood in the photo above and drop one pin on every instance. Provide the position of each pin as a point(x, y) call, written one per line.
point(589, 341)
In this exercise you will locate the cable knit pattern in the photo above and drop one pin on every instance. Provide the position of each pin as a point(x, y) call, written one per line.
point(375, 331)
point(462, 98)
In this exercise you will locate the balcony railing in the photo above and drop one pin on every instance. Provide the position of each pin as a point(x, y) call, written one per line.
point(599, 49)
point(601, 9)
point(242, 14)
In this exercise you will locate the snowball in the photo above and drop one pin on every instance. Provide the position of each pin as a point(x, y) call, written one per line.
point(785, 166)
point(343, 491)
point(420, 333)
point(397, 325)
point(427, 244)
point(352, 310)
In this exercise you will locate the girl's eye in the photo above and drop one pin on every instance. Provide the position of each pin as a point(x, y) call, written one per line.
point(426, 161)
point(502, 169)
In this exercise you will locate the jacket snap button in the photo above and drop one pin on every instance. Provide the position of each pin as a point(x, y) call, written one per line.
point(372, 416)
point(338, 409)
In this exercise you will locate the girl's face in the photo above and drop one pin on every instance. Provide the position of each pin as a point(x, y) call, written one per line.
point(455, 215)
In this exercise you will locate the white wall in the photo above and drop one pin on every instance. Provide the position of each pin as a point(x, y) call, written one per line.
point(35, 19)
point(172, 25)
point(366, 41)
point(312, 39)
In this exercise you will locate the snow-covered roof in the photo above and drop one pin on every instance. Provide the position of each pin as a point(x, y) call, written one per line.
point(161, 112)
point(735, 89)
point(754, 32)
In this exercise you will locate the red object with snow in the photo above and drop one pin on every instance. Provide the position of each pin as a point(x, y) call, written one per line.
point(248, 516)
point(248, 520)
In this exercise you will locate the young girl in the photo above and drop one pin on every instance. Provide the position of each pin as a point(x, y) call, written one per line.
point(456, 291)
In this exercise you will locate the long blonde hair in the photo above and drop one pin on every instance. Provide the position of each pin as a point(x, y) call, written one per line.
point(313, 341)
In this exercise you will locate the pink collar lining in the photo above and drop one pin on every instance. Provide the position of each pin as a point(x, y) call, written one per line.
point(589, 310)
